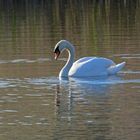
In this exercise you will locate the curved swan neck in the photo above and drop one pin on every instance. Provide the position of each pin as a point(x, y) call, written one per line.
point(65, 70)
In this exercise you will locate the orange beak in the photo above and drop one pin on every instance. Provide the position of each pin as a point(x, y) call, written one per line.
point(56, 55)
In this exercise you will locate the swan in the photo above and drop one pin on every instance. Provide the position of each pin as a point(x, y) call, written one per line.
point(86, 66)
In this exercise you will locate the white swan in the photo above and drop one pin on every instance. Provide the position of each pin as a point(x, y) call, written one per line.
point(86, 66)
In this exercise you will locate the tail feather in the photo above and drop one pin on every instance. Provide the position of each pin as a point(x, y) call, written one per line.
point(116, 68)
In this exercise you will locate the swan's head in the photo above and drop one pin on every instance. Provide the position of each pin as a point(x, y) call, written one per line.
point(60, 46)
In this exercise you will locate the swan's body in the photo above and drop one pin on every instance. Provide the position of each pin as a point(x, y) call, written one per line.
point(86, 66)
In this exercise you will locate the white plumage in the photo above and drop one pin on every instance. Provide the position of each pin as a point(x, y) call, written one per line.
point(86, 66)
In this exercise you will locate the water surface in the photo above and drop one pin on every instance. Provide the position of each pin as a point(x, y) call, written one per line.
point(35, 104)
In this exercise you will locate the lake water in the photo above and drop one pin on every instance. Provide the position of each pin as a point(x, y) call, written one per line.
point(35, 104)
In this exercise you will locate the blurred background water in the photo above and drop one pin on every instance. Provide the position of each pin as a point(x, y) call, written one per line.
point(34, 104)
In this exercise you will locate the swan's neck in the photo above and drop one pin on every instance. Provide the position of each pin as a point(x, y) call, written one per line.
point(65, 70)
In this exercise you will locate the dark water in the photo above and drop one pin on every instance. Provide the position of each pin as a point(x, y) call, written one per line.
point(35, 104)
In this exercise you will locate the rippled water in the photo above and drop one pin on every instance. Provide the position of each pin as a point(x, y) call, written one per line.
point(35, 103)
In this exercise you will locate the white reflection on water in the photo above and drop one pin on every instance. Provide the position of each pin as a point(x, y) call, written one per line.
point(105, 80)
point(43, 81)
point(4, 83)
point(39, 60)
point(51, 81)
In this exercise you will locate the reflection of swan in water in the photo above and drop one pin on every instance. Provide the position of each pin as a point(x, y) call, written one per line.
point(93, 96)
point(73, 90)
point(63, 101)
point(92, 85)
